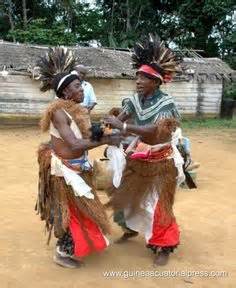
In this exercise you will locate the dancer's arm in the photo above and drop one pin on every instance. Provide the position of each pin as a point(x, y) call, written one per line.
point(62, 123)
point(150, 134)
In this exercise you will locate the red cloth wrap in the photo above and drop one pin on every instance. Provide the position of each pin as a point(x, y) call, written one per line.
point(86, 235)
point(164, 235)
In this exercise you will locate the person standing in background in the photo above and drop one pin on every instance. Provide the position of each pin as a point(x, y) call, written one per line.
point(89, 96)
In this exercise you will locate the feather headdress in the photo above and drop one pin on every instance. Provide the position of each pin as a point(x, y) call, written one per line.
point(153, 58)
point(56, 60)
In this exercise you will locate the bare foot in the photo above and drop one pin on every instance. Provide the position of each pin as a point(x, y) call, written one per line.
point(162, 258)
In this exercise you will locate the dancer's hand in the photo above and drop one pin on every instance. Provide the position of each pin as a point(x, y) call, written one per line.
point(114, 139)
point(114, 122)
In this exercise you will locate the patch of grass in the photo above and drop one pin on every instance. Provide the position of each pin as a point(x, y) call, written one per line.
point(209, 123)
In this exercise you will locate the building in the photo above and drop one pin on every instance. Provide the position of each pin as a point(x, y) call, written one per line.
point(197, 92)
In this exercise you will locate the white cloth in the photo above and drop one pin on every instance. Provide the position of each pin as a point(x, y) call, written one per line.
point(176, 136)
point(179, 162)
point(89, 95)
point(73, 126)
point(142, 221)
point(117, 163)
point(178, 159)
point(73, 179)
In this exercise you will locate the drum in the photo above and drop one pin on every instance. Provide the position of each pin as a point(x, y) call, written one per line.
point(102, 175)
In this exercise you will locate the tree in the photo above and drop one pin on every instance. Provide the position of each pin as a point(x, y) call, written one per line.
point(24, 9)
point(200, 19)
point(7, 17)
point(205, 25)
point(37, 33)
point(70, 19)
point(124, 21)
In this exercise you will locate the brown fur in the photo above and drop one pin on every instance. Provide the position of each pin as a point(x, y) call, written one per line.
point(115, 111)
point(55, 197)
point(164, 129)
point(79, 114)
point(141, 177)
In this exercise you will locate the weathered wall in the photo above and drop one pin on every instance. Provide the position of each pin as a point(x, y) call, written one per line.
point(21, 95)
point(194, 98)
point(191, 98)
point(209, 98)
point(110, 93)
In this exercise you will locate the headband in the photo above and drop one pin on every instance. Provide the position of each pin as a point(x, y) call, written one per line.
point(64, 82)
point(148, 70)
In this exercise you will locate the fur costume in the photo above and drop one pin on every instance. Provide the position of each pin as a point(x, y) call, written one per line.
point(55, 196)
point(140, 176)
point(79, 114)
point(66, 200)
point(144, 199)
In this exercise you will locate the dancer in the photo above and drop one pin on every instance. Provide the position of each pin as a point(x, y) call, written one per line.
point(90, 99)
point(66, 201)
point(143, 202)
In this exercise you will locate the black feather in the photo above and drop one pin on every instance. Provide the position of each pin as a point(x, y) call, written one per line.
point(151, 51)
point(55, 61)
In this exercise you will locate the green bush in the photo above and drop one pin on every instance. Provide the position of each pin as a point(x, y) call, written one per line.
point(230, 90)
point(37, 33)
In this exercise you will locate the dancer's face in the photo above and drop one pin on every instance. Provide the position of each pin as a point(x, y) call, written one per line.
point(146, 86)
point(74, 91)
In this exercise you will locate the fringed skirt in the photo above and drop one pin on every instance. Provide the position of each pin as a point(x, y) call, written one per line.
point(62, 211)
point(146, 197)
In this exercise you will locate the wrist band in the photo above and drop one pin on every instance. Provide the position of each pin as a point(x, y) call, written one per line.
point(124, 127)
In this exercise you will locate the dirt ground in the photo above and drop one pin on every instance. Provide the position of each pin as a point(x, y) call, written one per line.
point(206, 217)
